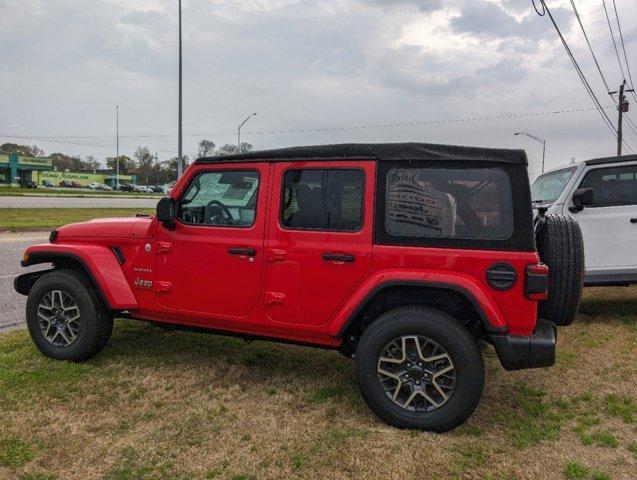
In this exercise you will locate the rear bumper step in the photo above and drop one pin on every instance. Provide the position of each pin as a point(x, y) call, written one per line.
point(534, 351)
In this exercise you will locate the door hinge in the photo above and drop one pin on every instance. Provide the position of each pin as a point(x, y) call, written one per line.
point(274, 298)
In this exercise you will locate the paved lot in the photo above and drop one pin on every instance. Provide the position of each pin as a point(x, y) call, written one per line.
point(74, 202)
point(12, 304)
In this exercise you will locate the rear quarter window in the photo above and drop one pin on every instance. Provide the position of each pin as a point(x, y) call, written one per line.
point(444, 203)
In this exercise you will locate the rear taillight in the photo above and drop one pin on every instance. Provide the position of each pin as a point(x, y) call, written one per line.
point(536, 283)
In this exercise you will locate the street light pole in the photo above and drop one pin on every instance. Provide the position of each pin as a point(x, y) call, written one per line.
point(239, 131)
point(541, 140)
point(117, 147)
point(180, 166)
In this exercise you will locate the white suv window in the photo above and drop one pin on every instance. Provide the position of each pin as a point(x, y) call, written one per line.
point(612, 186)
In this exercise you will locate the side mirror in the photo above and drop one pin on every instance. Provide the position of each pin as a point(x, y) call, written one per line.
point(166, 212)
point(582, 197)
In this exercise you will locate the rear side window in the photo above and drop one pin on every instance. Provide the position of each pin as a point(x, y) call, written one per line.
point(448, 203)
point(612, 186)
point(323, 199)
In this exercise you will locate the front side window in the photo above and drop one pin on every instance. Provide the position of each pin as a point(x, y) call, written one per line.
point(612, 186)
point(448, 203)
point(549, 186)
point(227, 198)
point(323, 199)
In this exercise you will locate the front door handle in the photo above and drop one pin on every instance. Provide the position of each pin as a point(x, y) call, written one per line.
point(338, 257)
point(249, 252)
point(633, 220)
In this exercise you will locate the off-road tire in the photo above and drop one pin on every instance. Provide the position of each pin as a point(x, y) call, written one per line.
point(443, 329)
point(561, 248)
point(96, 321)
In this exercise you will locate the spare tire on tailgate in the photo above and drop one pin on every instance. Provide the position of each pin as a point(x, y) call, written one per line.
point(561, 248)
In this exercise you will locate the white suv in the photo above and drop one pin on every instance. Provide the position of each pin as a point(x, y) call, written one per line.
point(602, 195)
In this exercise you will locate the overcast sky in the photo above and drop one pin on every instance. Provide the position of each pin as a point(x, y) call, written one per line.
point(303, 65)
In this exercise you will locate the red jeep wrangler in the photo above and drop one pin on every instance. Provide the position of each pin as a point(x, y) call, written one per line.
point(403, 256)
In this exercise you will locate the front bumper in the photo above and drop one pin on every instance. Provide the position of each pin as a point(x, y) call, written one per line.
point(534, 351)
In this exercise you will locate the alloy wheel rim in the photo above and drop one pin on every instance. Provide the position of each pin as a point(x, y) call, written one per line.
point(59, 318)
point(416, 373)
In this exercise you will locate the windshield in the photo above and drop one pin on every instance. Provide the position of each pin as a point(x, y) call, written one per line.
point(548, 187)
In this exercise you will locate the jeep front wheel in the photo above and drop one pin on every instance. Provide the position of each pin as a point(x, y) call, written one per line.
point(66, 319)
point(419, 368)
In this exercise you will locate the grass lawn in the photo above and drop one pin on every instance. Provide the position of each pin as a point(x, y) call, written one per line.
point(20, 219)
point(157, 404)
point(68, 192)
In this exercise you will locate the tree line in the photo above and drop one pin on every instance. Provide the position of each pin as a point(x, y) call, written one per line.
point(144, 163)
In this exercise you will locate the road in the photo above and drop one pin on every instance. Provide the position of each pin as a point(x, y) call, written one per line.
point(75, 202)
point(12, 304)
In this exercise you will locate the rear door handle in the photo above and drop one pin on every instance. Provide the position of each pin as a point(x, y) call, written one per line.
point(250, 252)
point(633, 220)
point(338, 257)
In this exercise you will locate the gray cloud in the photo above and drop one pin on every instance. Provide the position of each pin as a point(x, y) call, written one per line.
point(300, 64)
point(487, 19)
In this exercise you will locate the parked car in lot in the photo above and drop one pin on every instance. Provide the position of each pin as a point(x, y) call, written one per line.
point(70, 184)
point(602, 195)
point(27, 184)
point(99, 186)
point(156, 189)
point(127, 187)
point(403, 256)
point(47, 183)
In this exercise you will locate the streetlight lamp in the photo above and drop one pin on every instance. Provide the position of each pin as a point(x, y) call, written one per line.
point(541, 140)
point(239, 131)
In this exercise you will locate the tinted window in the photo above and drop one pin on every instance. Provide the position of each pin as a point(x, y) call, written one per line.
point(448, 203)
point(329, 199)
point(227, 198)
point(612, 186)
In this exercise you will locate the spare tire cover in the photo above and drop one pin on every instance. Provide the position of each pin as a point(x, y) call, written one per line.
point(561, 248)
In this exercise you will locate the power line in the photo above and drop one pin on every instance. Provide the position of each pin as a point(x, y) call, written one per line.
point(612, 36)
point(579, 20)
point(67, 142)
point(580, 73)
point(621, 37)
point(318, 129)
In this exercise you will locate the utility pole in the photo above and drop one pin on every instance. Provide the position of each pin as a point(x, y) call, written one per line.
point(180, 165)
point(117, 147)
point(622, 108)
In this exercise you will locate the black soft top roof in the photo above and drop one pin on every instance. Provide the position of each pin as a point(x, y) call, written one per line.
point(378, 151)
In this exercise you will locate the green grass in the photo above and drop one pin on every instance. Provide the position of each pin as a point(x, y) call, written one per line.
point(575, 471)
point(632, 448)
point(24, 219)
point(67, 192)
point(14, 452)
point(621, 406)
point(159, 404)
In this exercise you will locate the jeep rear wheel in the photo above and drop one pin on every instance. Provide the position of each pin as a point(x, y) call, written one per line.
point(418, 367)
point(561, 248)
point(66, 319)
